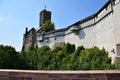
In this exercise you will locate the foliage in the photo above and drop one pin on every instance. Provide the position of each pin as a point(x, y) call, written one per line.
point(117, 64)
point(44, 55)
point(48, 26)
point(65, 57)
point(93, 59)
point(31, 58)
point(68, 48)
point(9, 58)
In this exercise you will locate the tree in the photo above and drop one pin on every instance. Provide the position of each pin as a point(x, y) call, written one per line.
point(31, 57)
point(44, 57)
point(23, 61)
point(48, 26)
point(93, 59)
point(60, 58)
point(69, 48)
point(8, 58)
point(117, 63)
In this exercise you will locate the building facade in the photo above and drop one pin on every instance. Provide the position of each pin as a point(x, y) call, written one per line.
point(101, 29)
point(29, 39)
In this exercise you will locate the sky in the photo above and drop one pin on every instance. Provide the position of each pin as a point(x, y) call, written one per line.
point(16, 15)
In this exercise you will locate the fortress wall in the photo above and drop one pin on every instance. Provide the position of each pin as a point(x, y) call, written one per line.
point(101, 29)
point(116, 21)
point(105, 29)
point(104, 33)
point(59, 75)
point(108, 31)
point(87, 23)
point(51, 39)
point(86, 37)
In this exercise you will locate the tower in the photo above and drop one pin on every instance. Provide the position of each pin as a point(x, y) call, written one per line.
point(44, 16)
point(29, 39)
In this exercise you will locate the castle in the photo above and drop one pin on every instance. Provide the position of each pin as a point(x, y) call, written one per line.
point(102, 29)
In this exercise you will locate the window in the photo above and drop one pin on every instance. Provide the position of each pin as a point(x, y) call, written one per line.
point(55, 38)
point(118, 49)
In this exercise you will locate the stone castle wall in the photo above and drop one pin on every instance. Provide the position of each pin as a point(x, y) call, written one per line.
point(30, 39)
point(51, 39)
point(59, 75)
point(102, 30)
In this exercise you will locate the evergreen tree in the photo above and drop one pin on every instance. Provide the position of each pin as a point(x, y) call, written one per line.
point(60, 58)
point(9, 58)
point(48, 26)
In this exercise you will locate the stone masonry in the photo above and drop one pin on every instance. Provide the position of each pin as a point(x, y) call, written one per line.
point(59, 75)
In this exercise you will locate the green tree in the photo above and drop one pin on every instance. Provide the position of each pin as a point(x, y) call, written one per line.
point(93, 59)
point(44, 56)
point(31, 57)
point(60, 58)
point(8, 58)
point(48, 26)
point(22, 61)
point(69, 48)
point(117, 63)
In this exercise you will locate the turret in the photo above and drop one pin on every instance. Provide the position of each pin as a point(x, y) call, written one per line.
point(26, 30)
point(44, 16)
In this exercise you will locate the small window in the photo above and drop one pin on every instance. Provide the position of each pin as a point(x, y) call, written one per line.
point(118, 49)
point(55, 38)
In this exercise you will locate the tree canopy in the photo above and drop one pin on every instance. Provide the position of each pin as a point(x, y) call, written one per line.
point(65, 57)
point(68, 58)
point(10, 59)
point(48, 26)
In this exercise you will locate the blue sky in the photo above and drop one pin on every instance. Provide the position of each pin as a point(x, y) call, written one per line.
point(16, 15)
